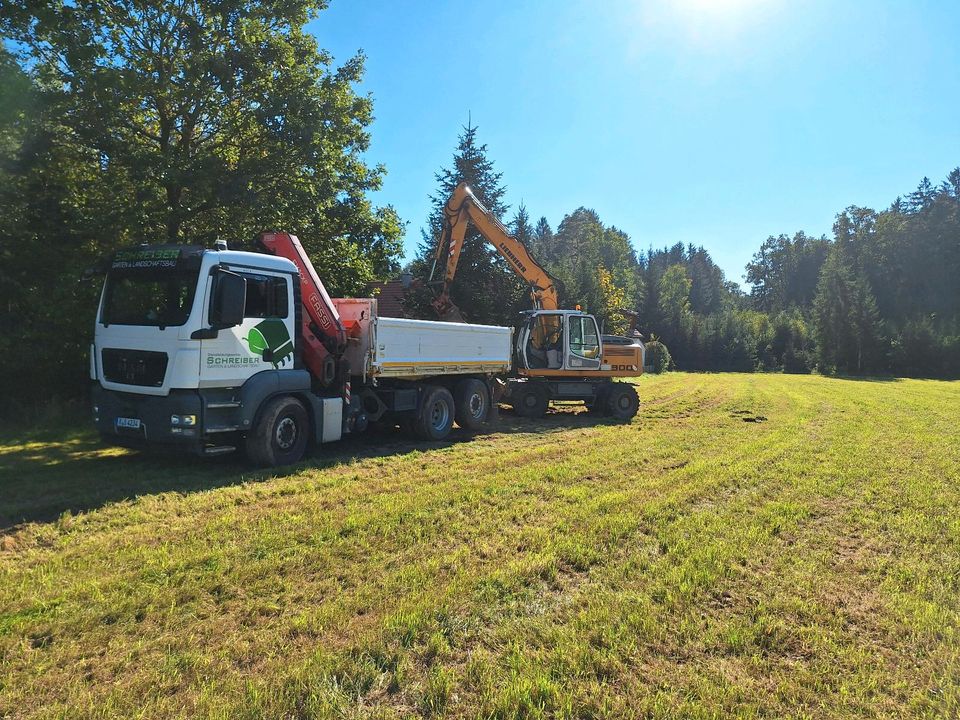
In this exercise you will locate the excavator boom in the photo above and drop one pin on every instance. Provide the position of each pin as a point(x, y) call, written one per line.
point(463, 207)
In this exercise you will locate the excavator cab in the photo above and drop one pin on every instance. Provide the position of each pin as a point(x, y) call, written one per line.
point(552, 342)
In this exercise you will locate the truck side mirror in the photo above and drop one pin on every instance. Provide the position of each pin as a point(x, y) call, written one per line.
point(228, 300)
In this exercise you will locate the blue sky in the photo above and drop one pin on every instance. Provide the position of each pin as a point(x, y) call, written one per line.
point(716, 122)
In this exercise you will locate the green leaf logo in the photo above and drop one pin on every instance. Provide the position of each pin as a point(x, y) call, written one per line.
point(256, 342)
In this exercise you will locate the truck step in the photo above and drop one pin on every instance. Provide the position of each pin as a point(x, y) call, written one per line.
point(225, 404)
point(223, 429)
point(219, 450)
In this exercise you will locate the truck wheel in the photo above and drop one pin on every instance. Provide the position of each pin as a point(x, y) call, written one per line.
point(530, 400)
point(472, 401)
point(435, 417)
point(280, 434)
point(622, 401)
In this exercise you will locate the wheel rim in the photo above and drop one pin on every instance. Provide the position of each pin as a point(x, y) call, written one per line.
point(477, 406)
point(439, 415)
point(286, 433)
point(623, 402)
point(530, 400)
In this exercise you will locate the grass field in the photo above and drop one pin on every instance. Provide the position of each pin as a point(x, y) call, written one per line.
point(751, 545)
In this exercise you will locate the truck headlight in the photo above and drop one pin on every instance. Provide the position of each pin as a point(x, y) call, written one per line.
point(183, 420)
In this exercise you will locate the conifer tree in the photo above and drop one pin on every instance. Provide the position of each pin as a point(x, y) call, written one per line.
point(520, 225)
point(845, 318)
point(541, 242)
point(485, 289)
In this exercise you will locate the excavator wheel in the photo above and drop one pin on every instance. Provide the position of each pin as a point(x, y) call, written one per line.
point(472, 400)
point(530, 400)
point(621, 402)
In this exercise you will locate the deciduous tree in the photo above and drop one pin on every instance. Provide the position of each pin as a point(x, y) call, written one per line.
point(181, 122)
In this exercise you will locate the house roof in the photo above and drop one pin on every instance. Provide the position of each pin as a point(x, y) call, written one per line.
point(390, 296)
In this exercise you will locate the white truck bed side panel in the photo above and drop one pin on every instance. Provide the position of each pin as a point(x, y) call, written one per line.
point(418, 348)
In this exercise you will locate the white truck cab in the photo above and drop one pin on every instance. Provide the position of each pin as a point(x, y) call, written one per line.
point(161, 334)
point(156, 324)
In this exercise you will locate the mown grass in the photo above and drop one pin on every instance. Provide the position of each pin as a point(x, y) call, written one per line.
point(750, 546)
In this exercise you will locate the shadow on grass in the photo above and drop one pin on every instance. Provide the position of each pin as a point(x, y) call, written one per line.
point(47, 472)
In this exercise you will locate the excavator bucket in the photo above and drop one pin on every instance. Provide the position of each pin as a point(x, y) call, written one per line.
point(447, 311)
point(453, 315)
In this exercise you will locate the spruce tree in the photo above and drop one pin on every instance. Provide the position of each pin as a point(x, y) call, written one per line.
point(541, 243)
point(845, 319)
point(485, 289)
point(520, 226)
point(951, 186)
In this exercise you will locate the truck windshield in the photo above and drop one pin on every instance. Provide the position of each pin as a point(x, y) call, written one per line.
point(157, 299)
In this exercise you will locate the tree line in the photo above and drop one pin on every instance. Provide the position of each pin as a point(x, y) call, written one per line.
point(881, 296)
point(130, 122)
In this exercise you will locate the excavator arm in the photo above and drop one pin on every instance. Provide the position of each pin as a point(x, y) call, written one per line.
point(463, 207)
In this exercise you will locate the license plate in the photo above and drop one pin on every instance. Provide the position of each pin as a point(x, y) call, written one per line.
point(128, 423)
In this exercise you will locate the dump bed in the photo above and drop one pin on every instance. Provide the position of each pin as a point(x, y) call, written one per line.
point(417, 348)
point(400, 348)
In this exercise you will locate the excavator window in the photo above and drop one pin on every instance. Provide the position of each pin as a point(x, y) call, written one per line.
point(545, 346)
point(583, 337)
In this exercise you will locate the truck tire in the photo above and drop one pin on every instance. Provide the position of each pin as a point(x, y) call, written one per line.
point(435, 416)
point(280, 434)
point(530, 400)
point(472, 401)
point(622, 402)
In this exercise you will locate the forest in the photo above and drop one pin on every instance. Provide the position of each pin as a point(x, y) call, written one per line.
point(882, 296)
point(118, 127)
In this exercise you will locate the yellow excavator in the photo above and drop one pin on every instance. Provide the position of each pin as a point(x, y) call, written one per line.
point(558, 354)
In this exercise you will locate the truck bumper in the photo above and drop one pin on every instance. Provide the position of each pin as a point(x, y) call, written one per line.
point(141, 421)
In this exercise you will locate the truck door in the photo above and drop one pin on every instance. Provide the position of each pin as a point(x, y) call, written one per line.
point(583, 343)
point(263, 341)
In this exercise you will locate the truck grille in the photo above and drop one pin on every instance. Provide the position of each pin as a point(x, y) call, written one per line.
point(134, 367)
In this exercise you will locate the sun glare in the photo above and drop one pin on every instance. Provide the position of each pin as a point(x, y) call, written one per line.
point(704, 24)
point(716, 7)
